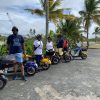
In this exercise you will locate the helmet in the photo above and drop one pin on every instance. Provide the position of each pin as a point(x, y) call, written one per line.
point(38, 36)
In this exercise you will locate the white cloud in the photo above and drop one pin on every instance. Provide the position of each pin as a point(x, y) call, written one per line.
point(25, 20)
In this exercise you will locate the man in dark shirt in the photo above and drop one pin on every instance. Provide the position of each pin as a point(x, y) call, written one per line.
point(60, 42)
point(15, 44)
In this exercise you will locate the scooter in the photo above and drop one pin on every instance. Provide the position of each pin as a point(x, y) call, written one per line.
point(3, 80)
point(30, 68)
point(44, 63)
point(54, 59)
point(7, 65)
point(82, 52)
point(66, 56)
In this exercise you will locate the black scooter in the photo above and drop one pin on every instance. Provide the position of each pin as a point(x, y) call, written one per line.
point(3, 80)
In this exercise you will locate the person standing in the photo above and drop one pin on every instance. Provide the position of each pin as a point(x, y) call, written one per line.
point(38, 46)
point(60, 42)
point(49, 48)
point(65, 45)
point(15, 45)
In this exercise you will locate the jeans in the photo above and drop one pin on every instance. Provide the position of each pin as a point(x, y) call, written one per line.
point(77, 49)
point(38, 59)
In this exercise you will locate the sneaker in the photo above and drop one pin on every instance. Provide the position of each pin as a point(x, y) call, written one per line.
point(14, 77)
point(24, 78)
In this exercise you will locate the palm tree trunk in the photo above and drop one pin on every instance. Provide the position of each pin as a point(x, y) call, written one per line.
point(47, 19)
point(95, 37)
point(87, 37)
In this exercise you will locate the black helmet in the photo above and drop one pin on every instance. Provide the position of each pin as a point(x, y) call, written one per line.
point(38, 36)
point(14, 28)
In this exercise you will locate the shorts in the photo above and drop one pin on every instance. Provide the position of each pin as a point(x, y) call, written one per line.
point(60, 51)
point(18, 57)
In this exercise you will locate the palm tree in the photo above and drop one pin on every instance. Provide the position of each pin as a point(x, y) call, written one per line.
point(70, 29)
point(54, 12)
point(50, 10)
point(97, 32)
point(91, 13)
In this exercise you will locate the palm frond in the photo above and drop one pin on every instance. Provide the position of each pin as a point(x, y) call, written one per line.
point(55, 4)
point(43, 4)
point(96, 19)
point(36, 11)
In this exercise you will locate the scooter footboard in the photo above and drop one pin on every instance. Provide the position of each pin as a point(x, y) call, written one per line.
point(84, 49)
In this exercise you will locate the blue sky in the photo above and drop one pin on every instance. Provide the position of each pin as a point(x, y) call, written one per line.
point(24, 20)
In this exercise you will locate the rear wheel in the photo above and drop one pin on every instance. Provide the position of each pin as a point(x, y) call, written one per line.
point(31, 71)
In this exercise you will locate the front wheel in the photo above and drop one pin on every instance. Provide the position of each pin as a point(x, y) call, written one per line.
point(67, 58)
point(46, 66)
point(31, 71)
point(55, 60)
point(3, 82)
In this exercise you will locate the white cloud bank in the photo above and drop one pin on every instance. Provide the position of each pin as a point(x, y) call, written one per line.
point(24, 20)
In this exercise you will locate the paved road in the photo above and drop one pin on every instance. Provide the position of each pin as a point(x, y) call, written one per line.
point(78, 80)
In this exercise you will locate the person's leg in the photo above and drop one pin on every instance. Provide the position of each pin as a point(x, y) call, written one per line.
point(61, 53)
point(15, 66)
point(37, 57)
point(15, 70)
point(22, 71)
point(19, 59)
point(22, 68)
point(76, 49)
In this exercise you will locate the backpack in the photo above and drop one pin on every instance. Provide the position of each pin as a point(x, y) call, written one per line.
point(65, 44)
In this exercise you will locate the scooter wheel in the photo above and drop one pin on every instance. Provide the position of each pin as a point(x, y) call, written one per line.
point(67, 58)
point(30, 71)
point(3, 82)
point(46, 66)
point(83, 56)
point(55, 60)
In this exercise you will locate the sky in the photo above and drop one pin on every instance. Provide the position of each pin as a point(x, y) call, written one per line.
point(25, 20)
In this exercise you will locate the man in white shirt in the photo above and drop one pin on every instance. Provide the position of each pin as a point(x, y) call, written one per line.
point(78, 47)
point(49, 47)
point(38, 46)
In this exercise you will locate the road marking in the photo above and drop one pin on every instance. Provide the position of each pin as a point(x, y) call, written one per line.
point(53, 92)
point(47, 92)
point(41, 93)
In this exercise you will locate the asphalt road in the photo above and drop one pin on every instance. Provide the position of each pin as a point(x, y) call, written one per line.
point(77, 80)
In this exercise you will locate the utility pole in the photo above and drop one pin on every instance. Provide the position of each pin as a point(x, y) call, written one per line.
point(47, 18)
point(10, 19)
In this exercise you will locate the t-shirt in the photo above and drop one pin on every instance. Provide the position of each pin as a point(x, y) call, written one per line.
point(49, 45)
point(60, 43)
point(15, 42)
point(39, 45)
point(65, 45)
point(79, 44)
